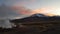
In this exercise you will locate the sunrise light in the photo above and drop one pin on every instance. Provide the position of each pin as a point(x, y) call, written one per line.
point(48, 11)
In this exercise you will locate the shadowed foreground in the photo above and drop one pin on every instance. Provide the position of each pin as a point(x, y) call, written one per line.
point(51, 28)
point(34, 25)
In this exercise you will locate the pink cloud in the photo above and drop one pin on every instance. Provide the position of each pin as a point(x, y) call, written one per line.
point(22, 10)
point(33, 0)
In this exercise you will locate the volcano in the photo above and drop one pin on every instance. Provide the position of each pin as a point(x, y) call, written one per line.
point(36, 23)
point(37, 18)
point(34, 17)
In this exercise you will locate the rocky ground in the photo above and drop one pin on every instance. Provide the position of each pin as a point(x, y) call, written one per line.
point(33, 28)
point(34, 25)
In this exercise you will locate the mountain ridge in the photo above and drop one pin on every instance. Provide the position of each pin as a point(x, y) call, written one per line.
point(38, 18)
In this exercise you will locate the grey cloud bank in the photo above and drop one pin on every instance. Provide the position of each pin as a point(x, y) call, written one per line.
point(6, 13)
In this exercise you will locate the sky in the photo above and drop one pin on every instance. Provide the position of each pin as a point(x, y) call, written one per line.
point(23, 8)
point(32, 4)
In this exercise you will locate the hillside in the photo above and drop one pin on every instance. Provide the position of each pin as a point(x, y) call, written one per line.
point(35, 24)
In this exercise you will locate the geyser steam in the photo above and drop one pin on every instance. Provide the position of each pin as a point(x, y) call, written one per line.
point(5, 14)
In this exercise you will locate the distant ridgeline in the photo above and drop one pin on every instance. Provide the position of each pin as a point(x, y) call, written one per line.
point(37, 18)
point(37, 23)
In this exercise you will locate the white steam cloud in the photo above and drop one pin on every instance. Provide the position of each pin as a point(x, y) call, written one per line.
point(5, 14)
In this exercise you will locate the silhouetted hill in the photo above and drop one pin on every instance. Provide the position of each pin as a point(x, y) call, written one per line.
point(35, 24)
point(37, 18)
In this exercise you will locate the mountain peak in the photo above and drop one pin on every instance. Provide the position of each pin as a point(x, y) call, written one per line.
point(38, 15)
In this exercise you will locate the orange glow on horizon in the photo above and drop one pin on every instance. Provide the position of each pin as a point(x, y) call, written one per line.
point(47, 11)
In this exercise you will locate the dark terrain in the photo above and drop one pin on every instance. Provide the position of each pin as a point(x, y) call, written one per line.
point(35, 24)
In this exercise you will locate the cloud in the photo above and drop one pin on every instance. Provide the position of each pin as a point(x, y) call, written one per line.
point(6, 12)
point(20, 2)
point(12, 12)
point(33, 0)
point(22, 10)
